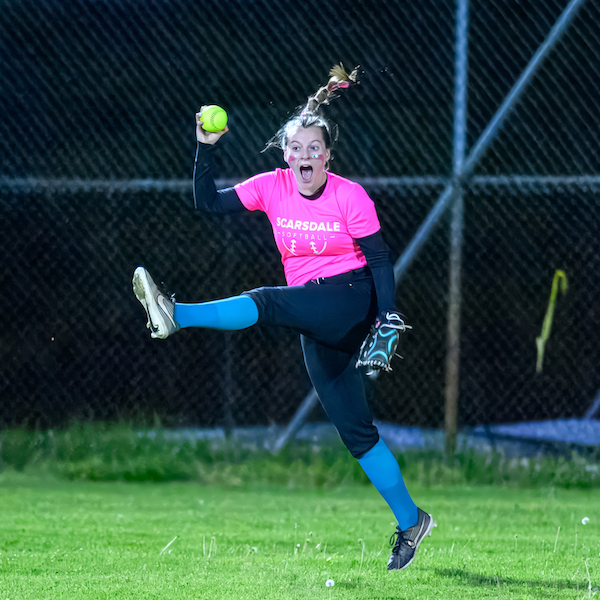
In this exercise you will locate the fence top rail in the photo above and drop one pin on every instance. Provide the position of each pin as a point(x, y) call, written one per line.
point(525, 182)
point(583, 182)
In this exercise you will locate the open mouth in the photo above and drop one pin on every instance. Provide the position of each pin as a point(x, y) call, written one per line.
point(306, 173)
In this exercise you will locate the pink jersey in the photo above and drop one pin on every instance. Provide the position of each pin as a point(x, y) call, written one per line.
point(315, 237)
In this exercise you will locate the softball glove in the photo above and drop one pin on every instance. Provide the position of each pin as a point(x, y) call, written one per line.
point(380, 345)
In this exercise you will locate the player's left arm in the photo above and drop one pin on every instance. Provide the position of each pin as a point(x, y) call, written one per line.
point(362, 222)
point(363, 225)
point(379, 347)
point(377, 254)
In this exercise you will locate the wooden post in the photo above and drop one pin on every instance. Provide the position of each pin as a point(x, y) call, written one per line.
point(453, 338)
point(456, 231)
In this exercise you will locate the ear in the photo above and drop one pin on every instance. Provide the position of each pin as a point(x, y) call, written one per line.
point(286, 155)
point(327, 155)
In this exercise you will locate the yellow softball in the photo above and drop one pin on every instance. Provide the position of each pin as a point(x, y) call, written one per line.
point(213, 118)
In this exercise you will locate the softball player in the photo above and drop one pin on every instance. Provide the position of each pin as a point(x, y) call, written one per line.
point(340, 291)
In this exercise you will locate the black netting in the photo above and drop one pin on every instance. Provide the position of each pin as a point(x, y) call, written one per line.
point(96, 150)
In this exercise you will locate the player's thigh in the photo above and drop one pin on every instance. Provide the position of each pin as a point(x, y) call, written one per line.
point(338, 315)
point(341, 390)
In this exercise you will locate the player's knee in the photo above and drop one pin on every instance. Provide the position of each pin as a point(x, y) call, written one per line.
point(359, 446)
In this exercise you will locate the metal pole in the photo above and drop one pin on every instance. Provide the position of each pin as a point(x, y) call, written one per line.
point(297, 421)
point(456, 233)
point(594, 409)
point(451, 391)
point(422, 234)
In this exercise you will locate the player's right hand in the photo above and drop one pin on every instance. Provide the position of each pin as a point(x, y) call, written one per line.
point(207, 137)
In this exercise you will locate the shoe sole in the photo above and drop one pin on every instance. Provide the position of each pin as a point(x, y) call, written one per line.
point(143, 292)
point(428, 531)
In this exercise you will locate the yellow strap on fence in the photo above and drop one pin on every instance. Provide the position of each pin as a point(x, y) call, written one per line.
point(559, 279)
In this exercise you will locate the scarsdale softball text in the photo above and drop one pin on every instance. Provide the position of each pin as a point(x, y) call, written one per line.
point(308, 225)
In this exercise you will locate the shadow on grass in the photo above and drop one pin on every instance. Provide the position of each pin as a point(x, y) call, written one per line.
point(543, 589)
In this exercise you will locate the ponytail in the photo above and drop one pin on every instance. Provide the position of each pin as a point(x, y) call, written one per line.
point(308, 115)
point(338, 79)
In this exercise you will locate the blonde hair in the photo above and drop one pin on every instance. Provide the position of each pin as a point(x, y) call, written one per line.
point(338, 79)
point(308, 115)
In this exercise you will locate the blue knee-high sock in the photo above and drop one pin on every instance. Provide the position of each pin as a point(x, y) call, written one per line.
point(229, 314)
point(382, 469)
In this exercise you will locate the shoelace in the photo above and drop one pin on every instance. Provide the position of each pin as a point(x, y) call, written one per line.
point(400, 537)
point(395, 322)
point(162, 288)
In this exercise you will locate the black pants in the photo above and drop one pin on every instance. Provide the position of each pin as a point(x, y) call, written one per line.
point(332, 316)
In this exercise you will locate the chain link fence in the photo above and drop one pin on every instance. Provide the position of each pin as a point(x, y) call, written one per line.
point(96, 153)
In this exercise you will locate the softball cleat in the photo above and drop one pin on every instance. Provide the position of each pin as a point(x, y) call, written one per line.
point(407, 541)
point(160, 308)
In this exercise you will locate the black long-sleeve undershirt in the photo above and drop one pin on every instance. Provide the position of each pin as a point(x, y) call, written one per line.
point(378, 258)
point(206, 196)
point(208, 199)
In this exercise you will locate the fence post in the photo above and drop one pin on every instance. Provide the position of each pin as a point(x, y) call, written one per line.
point(453, 340)
point(456, 232)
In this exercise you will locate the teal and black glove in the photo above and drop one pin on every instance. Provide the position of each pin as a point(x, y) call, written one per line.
point(380, 345)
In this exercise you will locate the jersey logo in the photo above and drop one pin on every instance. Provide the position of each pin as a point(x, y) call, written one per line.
point(313, 247)
point(167, 307)
point(292, 247)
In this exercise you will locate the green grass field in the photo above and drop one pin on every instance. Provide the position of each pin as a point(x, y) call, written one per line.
point(83, 540)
